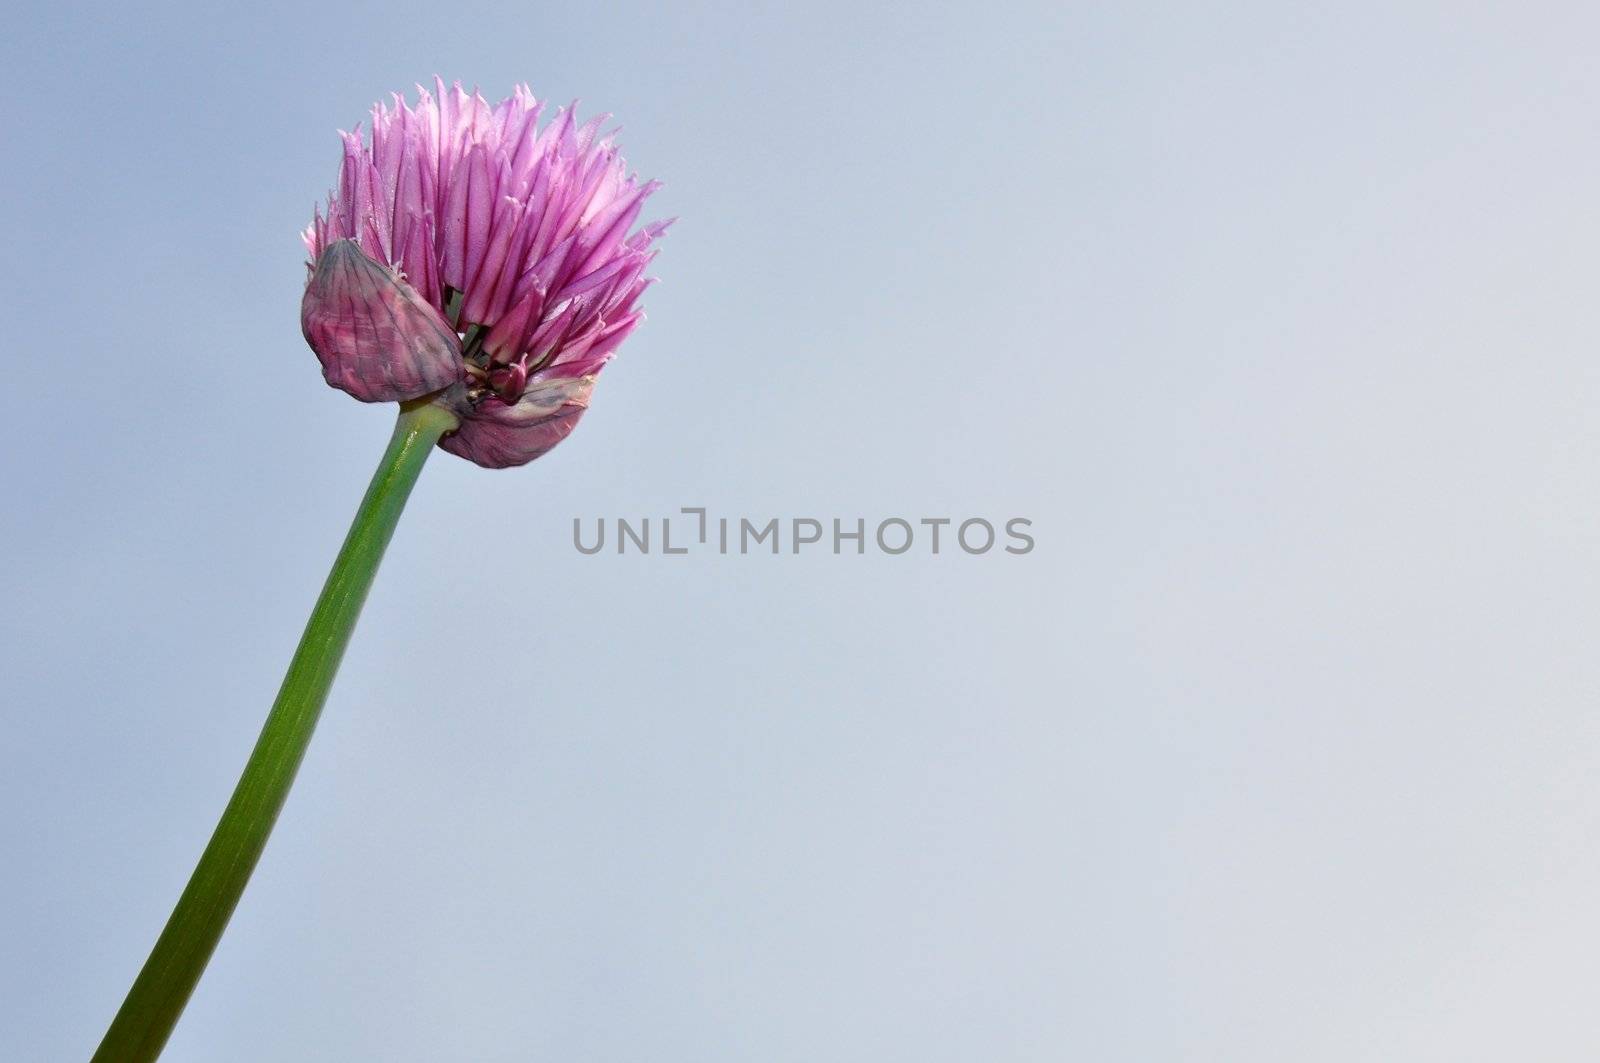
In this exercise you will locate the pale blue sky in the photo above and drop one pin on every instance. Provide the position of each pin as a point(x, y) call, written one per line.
point(1281, 744)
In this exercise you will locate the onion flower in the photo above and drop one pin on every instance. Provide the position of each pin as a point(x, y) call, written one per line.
point(469, 252)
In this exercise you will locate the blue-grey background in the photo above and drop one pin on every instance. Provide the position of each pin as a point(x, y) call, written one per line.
point(1280, 325)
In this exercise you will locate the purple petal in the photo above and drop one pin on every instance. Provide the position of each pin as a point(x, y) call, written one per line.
point(505, 339)
point(481, 284)
point(480, 214)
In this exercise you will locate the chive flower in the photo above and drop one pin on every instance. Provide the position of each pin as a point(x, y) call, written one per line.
point(470, 253)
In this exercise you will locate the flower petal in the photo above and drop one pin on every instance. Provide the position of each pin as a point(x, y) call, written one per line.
point(375, 336)
point(499, 436)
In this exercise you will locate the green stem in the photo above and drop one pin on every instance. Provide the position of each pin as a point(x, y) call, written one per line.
point(159, 994)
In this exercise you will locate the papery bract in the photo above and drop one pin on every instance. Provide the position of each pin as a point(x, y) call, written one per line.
point(501, 434)
point(521, 242)
point(375, 336)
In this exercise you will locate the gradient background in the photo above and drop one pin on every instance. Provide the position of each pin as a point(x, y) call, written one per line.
point(1280, 324)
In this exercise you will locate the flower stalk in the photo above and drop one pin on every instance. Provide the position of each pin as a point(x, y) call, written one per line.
point(158, 996)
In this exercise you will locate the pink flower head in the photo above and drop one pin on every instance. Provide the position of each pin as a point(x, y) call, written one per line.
point(468, 252)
